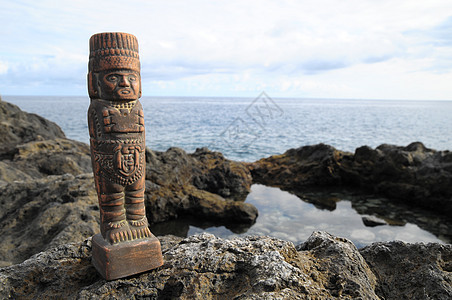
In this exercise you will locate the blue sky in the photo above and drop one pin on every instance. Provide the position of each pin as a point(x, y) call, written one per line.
point(328, 49)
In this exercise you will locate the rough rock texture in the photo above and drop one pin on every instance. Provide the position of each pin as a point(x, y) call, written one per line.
point(413, 174)
point(318, 165)
point(18, 127)
point(199, 266)
point(206, 267)
point(411, 271)
point(203, 184)
point(37, 213)
point(39, 159)
point(40, 214)
point(32, 147)
point(47, 200)
point(340, 265)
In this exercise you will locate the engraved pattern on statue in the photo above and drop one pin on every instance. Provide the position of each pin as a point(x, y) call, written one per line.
point(125, 166)
point(113, 123)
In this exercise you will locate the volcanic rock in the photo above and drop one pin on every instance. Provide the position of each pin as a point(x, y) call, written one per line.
point(413, 174)
point(18, 127)
point(203, 266)
point(39, 214)
point(317, 165)
point(203, 184)
point(411, 271)
point(372, 221)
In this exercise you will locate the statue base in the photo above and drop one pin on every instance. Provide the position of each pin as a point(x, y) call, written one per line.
point(125, 258)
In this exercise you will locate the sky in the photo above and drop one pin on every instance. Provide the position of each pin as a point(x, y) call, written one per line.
point(363, 49)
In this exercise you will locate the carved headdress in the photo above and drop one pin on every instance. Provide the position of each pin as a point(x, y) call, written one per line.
point(111, 51)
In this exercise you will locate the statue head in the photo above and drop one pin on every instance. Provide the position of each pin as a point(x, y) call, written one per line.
point(114, 67)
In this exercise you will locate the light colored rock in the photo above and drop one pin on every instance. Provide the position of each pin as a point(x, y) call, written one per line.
point(206, 267)
point(344, 271)
point(203, 267)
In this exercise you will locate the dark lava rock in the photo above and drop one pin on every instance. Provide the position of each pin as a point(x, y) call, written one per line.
point(178, 183)
point(371, 221)
point(413, 174)
point(48, 201)
point(18, 127)
point(317, 165)
point(411, 271)
point(39, 159)
point(39, 214)
point(36, 214)
point(32, 147)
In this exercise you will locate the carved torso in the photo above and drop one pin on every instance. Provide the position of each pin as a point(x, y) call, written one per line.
point(117, 138)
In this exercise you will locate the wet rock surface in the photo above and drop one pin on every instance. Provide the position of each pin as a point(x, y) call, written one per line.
point(399, 214)
point(203, 266)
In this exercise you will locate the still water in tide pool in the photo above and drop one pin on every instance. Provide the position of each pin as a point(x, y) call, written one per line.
point(284, 215)
point(232, 126)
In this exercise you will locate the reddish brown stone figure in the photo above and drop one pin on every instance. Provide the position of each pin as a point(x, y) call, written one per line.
point(117, 140)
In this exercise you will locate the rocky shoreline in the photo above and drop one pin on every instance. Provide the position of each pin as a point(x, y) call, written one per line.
point(206, 267)
point(48, 203)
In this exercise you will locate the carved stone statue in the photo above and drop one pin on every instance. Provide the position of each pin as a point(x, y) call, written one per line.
point(117, 141)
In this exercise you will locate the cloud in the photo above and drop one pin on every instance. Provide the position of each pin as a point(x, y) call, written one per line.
point(3, 67)
point(442, 33)
point(272, 44)
point(431, 47)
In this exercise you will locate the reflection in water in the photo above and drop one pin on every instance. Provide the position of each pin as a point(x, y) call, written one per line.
point(183, 227)
point(285, 216)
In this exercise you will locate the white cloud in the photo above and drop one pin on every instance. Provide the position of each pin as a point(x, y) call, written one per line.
point(3, 67)
point(285, 46)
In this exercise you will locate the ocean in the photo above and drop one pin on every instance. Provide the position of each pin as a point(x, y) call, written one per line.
point(247, 129)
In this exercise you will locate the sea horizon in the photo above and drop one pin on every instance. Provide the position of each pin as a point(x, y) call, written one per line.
point(243, 97)
point(247, 128)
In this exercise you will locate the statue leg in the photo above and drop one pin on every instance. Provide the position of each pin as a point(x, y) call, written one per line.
point(135, 209)
point(114, 226)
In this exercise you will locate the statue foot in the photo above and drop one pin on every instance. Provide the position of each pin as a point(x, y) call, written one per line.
point(118, 231)
point(122, 231)
point(140, 228)
point(138, 223)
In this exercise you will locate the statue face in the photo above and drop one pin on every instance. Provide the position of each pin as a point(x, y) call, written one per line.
point(120, 85)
